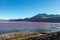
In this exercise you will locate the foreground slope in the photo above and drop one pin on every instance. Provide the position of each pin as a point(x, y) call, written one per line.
point(30, 36)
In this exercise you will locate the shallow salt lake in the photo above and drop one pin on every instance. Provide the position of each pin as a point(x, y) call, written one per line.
point(28, 26)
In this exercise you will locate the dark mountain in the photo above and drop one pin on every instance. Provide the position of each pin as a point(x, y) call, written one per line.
point(53, 19)
point(41, 18)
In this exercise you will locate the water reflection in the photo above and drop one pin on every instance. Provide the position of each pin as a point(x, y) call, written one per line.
point(31, 29)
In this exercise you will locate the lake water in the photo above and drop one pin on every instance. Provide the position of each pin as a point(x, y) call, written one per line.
point(27, 26)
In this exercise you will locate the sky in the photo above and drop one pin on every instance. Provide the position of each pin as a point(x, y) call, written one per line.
point(15, 9)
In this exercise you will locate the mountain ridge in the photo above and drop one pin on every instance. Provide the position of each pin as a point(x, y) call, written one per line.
point(41, 18)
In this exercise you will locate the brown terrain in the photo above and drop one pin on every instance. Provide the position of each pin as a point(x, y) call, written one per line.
point(30, 36)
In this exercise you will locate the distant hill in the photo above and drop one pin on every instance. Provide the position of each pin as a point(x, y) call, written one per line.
point(41, 18)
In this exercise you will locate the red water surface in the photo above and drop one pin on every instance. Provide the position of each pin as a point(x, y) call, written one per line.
point(42, 25)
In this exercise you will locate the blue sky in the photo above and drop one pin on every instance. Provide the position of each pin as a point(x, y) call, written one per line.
point(11, 9)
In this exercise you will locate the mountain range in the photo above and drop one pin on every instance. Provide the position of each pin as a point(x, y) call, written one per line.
point(41, 18)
